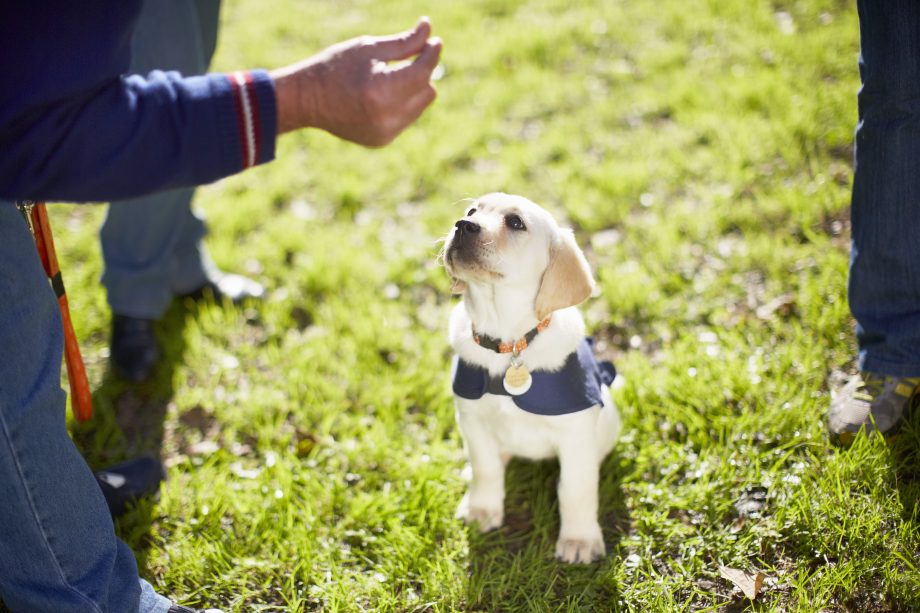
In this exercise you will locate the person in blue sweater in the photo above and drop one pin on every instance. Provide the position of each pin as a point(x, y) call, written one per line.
point(75, 126)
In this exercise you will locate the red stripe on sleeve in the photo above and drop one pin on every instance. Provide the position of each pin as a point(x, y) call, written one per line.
point(240, 119)
point(254, 116)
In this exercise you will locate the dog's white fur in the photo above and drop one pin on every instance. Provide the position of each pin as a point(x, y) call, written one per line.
point(510, 280)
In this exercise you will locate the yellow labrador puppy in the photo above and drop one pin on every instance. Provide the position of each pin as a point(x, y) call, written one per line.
point(524, 376)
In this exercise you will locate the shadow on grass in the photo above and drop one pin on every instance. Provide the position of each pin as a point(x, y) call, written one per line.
point(128, 422)
point(514, 569)
point(905, 463)
point(895, 591)
point(905, 460)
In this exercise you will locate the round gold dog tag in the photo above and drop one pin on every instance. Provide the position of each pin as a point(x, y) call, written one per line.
point(517, 380)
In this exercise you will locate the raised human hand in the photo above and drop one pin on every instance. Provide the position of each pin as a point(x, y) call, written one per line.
point(354, 91)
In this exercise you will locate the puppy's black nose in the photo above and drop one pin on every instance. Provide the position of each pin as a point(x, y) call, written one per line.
point(467, 226)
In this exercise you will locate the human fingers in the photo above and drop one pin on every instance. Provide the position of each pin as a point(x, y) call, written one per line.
point(417, 104)
point(402, 46)
point(428, 59)
point(420, 70)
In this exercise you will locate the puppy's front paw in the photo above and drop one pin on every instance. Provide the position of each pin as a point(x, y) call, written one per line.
point(581, 549)
point(488, 517)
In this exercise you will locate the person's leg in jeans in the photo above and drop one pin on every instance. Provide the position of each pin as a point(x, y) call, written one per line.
point(58, 549)
point(140, 236)
point(152, 245)
point(884, 282)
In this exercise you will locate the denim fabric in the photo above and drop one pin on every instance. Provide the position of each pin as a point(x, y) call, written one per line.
point(152, 245)
point(884, 284)
point(58, 549)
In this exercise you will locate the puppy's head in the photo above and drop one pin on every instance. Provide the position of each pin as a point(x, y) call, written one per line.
point(510, 240)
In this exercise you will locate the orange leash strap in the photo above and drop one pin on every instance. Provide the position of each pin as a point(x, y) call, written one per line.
point(81, 398)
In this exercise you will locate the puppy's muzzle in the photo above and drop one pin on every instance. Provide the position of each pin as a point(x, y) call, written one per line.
point(465, 226)
point(463, 240)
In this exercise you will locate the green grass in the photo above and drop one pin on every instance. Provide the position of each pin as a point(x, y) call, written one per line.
point(702, 152)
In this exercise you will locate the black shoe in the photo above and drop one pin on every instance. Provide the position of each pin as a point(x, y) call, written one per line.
point(180, 609)
point(127, 482)
point(134, 350)
point(235, 288)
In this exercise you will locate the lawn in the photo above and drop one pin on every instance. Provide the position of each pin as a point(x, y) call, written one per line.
point(702, 152)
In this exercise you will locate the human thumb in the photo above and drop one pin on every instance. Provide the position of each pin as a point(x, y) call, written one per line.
point(405, 45)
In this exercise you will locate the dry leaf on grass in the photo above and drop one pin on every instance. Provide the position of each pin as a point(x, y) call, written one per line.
point(784, 306)
point(242, 472)
point(203, 448)
point(749, 584)
point(752, 501)
point(737, 525)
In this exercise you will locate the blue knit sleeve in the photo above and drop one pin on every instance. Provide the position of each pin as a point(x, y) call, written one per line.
point(136, 135)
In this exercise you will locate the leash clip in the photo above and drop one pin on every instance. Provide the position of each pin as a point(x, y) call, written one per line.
point(25, 207)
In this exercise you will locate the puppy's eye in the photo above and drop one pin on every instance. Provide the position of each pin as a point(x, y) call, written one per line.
point(514, 222)
point(470, 212)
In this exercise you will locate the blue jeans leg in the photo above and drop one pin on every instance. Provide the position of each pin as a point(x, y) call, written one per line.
point(152, 245)
point(58, 549)
point(884, 283)
point(141, 239)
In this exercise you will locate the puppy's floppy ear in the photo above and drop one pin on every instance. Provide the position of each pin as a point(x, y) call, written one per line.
point(567, 280)
point(457, 286)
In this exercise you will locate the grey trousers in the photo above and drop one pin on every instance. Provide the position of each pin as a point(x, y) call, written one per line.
point(151, 246)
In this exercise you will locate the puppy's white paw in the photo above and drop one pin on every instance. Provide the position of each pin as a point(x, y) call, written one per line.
point(487, 517)
point(581, 549)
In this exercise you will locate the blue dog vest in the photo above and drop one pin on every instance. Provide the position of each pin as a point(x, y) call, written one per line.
point(575, 387)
